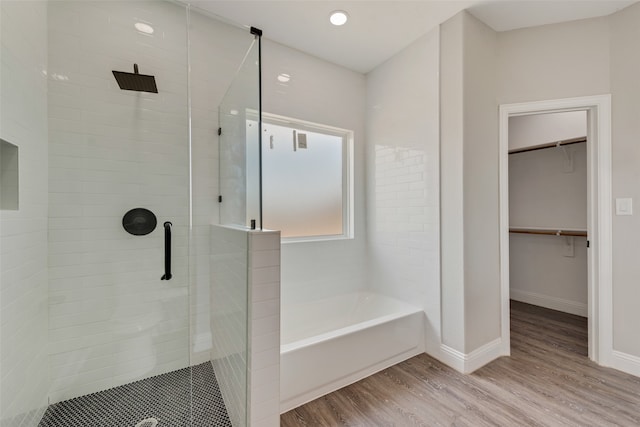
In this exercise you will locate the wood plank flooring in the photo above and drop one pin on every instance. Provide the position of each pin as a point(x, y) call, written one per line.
point(547, 381)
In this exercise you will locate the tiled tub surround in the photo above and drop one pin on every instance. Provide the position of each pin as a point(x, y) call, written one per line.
point(189, 397)
point(403, 188)
point(366, 332)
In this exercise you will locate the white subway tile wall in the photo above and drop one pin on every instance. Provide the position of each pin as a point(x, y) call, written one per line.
point(24, 380)
point(264, 331)
point(403, 177)
point(112, 320)
point(245, 322)
point(229, 316)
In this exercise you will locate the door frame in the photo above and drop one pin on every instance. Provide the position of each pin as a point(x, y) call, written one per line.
point(599, 216)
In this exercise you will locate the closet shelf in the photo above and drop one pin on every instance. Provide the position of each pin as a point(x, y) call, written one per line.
point(549, 231)
point(549, 145)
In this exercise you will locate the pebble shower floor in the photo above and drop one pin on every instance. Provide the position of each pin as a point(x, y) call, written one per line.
point(165, 397)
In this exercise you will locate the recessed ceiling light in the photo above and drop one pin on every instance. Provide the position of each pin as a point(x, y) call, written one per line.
point(234, 112)
point(283, 78)
point(144, 28)
point(338, 17)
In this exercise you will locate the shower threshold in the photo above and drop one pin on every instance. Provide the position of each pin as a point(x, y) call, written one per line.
point(164, 398)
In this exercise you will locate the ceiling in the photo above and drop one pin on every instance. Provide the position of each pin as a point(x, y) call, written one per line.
point(376, 30)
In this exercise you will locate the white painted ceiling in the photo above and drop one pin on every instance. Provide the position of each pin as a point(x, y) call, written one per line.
point(378, 29)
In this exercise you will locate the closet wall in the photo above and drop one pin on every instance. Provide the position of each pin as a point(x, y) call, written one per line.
point(548, 189)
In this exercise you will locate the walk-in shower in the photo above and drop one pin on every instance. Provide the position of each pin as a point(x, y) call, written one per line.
point(106, 295)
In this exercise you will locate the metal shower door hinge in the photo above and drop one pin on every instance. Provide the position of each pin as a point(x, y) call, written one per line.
point(220, 199)
point(219, 131)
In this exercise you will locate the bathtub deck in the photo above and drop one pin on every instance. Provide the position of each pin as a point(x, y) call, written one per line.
point(548, 381)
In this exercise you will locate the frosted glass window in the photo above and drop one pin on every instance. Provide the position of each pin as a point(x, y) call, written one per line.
point(305, 179)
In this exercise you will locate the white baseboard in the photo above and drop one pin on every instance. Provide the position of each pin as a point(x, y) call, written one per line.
point(625, 362)
point(467, 363)
point(554, 303)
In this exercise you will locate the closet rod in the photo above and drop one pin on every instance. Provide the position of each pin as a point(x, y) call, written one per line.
point(549, 232)
point(549, 145)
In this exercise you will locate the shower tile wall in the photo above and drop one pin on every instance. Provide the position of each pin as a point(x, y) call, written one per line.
point(112, 320)
point(264, 330)
point(403, 173)
point(247, 372)
point(23, 233)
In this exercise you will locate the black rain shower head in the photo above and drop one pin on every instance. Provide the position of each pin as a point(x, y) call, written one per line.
point(136, 81)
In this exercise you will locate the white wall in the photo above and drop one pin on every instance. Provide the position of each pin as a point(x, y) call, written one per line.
point(554, 61)
point(541, 274)
point(545, 193)
point(625, 69)
point(112, 320)
point(403, 178)
point(469, 173)
point(24, 374)
point(481, 204)
point(328, 94)
point(546, 188)
point(452, 182)
point(526, 131)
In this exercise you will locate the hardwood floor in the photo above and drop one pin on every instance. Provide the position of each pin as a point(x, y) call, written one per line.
point(547, 381)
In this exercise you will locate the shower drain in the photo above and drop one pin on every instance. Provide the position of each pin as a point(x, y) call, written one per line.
point(148, 422)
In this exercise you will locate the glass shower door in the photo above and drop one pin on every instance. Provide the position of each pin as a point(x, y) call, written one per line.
point(119, 180)
point(105, 291)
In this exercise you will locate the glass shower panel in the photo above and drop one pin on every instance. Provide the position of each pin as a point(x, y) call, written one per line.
point(112, 112)
point(239, 115)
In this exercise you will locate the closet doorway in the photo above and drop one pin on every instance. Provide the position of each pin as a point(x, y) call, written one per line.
point(554, 202)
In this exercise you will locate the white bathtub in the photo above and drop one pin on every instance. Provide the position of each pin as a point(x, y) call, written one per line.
point(334, 342)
